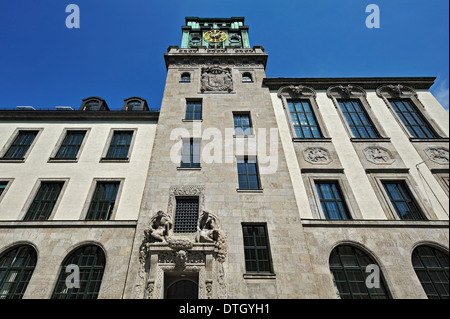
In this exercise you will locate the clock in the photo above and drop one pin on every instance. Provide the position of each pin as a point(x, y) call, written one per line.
point(215, 36)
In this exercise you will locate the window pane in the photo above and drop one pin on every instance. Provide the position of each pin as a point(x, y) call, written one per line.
point(402, 200)
point(120, 145)
point(103, 201)
point(91, 262)
point(303, 119)
point(413, 120)
point(16, 267)
point(349, 274)
point(44, 201)
point(21, 144)
point(257, 255)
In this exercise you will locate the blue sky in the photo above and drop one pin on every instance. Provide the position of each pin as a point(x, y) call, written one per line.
point(118, 50)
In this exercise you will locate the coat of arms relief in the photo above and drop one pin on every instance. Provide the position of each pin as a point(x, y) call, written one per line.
point(216, 79)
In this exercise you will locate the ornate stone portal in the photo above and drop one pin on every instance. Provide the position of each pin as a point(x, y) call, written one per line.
point(164, 253)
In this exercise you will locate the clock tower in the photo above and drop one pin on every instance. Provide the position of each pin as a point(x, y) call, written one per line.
point(215, 33)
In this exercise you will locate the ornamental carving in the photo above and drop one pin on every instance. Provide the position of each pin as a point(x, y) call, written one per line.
point(317, 155)
point(297, 91)
point(347, 91)
point(216, 79)
point(378, 155)
point(395, 91)
point(439, 155)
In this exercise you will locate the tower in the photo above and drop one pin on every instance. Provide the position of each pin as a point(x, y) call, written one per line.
point(218, 179)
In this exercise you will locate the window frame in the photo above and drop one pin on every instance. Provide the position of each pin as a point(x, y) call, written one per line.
point(310, 180)
point(353, 92)
point(387, 92)
point(105, 159)
point(239, 159)
point(66, 262)
point(11, 140)
point(34, 192)
point(341, 199)
point(18, 247)
point(54, 159)
point(8, 182)
point(271, 272)
point(192, 142)
point(187, 101)
point(91, 193)
point(240, 113)
point(360, 267)
point(309, 126)
point(426, 268)
point(307, 93)
point(365, 113)
point(377, 179)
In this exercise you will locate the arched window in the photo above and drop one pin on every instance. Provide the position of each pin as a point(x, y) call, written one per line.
point(185, 78)
point(348, 266)
point(91, 262)
point(431, 266)
point(247, 77)
point(16, 268)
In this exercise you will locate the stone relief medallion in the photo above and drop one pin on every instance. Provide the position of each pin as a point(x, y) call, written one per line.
point(317, 155)
point(216, 79)
point(378, 155)
point(438, 155)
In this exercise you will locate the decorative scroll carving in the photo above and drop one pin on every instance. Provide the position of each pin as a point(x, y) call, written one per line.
point(317, 155)
point(439, 155)
point(395, 91)
point(348, 91)
point(297, 91)
point(378, 155)
point(216, 79)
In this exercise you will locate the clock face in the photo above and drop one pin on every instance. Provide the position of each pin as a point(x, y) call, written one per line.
point(215, 36)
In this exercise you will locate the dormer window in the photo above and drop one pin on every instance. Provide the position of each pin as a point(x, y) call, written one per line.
point(94, 104)
point(247, 77)
point(135, 104)
point(186, 78)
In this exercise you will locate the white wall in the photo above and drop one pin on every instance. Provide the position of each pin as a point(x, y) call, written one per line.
point(81, 174)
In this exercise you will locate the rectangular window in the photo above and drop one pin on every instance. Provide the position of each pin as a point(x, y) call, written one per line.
point(71, 145)
point(120, 145)
point(303, 119)
point(242, 124)
point(190, 153)
point(20, 145)
point(402, 200)
point(357, 119)
point(103, 201)
point(44, 201)
point(332, 201)
point(256, 247)
point(193, 110)
point(3, 187)
point(186, 215)
point(248, 173)
point(412, 119)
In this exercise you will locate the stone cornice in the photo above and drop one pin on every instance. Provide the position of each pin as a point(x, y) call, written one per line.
point(205, 56)
point(95, 116)
point(372, 83)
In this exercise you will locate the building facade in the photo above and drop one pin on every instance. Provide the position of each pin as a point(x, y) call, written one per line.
point(241, 186)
